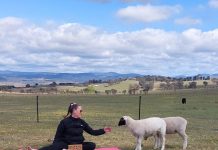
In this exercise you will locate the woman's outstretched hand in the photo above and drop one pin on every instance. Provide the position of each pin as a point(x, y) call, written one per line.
point(107, 129)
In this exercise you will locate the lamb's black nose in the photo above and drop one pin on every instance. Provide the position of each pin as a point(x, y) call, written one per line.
point(121, 122)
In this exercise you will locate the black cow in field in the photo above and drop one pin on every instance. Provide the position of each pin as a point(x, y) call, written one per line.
point(183, 100)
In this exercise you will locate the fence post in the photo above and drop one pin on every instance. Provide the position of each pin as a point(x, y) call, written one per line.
point(140, 97)
point(37, 108)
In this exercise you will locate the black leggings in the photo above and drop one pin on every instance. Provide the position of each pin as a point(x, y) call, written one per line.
point(61, 145)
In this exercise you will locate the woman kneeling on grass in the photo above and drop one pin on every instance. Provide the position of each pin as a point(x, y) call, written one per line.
point(70, 131)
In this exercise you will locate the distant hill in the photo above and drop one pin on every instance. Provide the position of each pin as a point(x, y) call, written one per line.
point(23, 78)
point(214, 75)
point(2, 79)
point(45, 77)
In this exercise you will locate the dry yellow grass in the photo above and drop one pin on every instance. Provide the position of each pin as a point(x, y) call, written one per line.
point(123, 85)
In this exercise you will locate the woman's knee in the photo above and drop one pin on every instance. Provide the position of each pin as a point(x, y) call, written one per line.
point(92, 145)
point(58, 146)
point(89, 146)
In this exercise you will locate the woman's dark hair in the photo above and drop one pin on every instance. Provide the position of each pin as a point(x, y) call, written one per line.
point(71, 108)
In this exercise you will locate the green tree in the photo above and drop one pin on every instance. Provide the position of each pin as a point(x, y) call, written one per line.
point(108, 92)
point(89, 90)
point(27, 85)
point(205, 83)
point(124, 92)
point(114, 91)
point(192, 85)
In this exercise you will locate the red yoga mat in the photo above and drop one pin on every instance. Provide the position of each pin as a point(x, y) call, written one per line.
point(110, 148)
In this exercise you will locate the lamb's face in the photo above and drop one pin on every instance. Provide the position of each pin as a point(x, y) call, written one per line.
point(122, 121)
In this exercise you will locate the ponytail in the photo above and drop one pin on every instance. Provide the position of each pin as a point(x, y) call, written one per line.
point(71, 108)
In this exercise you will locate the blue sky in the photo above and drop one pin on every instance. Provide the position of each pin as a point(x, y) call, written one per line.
point(103, 13)
point(162, 37)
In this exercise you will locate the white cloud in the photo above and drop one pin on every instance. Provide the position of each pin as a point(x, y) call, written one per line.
point(74, 47)
point(213, 3)
point(188, 21)
point(11, 21)
point(147, 13)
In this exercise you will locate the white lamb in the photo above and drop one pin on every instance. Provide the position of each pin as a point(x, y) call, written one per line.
point(145, 128)
point(177, 125)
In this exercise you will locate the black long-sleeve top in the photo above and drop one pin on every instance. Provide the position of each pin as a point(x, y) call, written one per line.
point(70, 131)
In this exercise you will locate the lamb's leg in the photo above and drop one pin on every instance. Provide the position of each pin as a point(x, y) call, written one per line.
point(185, 139)
point(139, 143)
point(156, 139)
point(162, 137)
point(159, 141)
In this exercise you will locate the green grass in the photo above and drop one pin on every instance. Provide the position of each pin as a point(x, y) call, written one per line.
point(18, 125)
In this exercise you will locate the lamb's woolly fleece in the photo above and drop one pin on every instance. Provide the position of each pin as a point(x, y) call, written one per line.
point(145, 128)
point(177, 125)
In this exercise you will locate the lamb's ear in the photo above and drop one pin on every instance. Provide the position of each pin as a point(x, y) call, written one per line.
point(122, 122)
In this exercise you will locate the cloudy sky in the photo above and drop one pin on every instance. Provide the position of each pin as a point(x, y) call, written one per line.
point(161, 37)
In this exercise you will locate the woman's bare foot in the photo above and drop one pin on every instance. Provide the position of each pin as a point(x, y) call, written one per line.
point(30, 148)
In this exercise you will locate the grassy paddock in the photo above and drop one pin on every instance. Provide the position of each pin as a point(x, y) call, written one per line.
point(18, 125)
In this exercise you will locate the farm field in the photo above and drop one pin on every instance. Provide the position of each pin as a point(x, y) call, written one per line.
point(101, 87)
point(18, 126)
point(124, 85)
